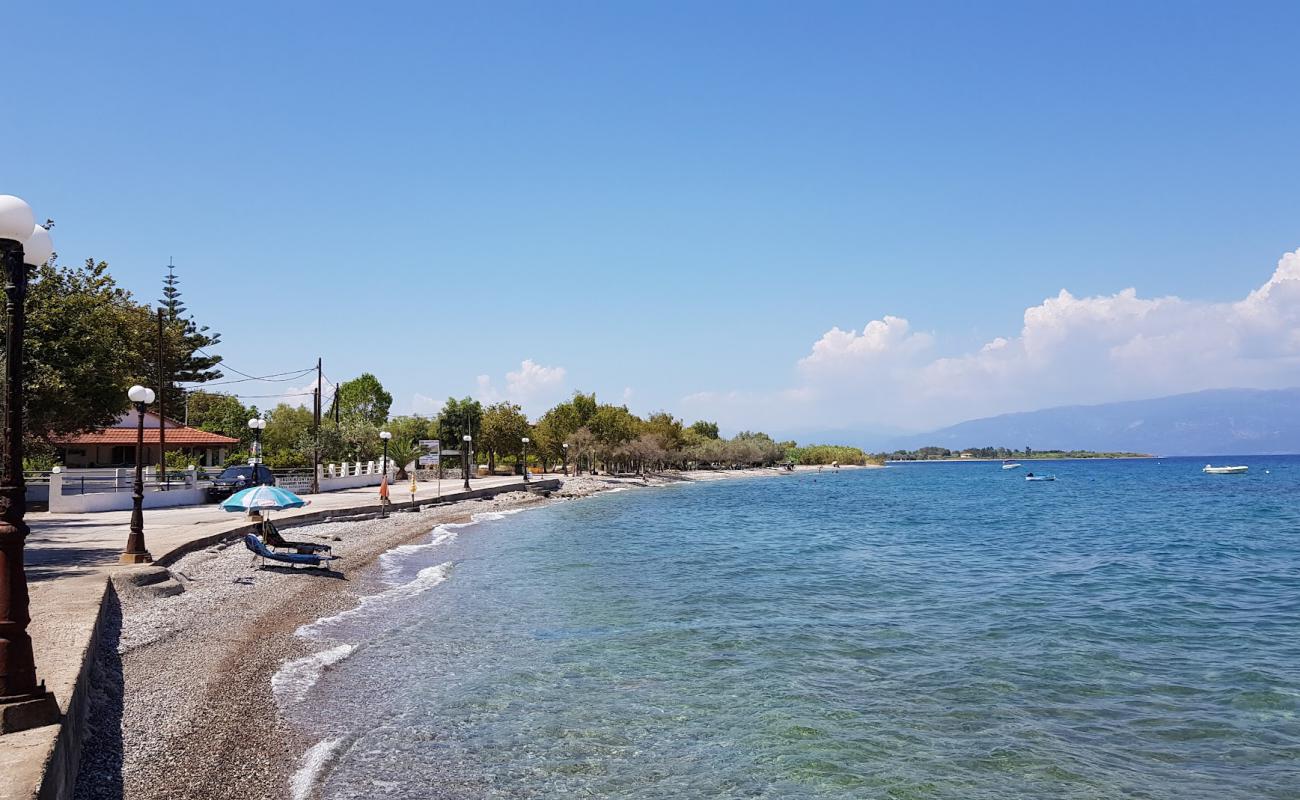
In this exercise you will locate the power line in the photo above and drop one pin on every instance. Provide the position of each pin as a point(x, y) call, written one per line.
point(261, 396)
point(224, 365)
point(272, 378)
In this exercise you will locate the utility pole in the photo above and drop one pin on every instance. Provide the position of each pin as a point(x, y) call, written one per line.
point(162, 409)
point(315, 448)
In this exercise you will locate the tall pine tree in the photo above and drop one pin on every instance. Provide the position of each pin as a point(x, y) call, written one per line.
point(171, 299)
point(186, 345)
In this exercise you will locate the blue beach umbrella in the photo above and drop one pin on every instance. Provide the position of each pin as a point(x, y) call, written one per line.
point(263, 498)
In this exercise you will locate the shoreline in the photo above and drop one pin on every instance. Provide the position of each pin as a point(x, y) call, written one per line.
point(183, 698)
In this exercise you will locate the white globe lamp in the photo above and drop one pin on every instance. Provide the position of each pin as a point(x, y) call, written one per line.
point(16, 219)
point(39, 247)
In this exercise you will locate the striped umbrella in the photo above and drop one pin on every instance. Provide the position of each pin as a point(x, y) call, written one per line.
point(263, 498)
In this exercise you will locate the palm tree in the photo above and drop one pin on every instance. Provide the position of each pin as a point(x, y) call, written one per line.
point(402, 452)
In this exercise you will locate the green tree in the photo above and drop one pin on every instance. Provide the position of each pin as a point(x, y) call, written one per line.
point(220, 413)
point(707, 430)
point(584, 405)
point(410, 427)
point(184, 348)
point(360, 438)
point(756, 449)
point(171, 299)
point(457, 418)
point(286, 428)
point(80, 354)
point(645, 453)
point(666, 428)
point(189, 364)
point(333, 447)
point(582, 445)
point(613, 426)
point(553, 429)
point(504, 426)
point(363, 396)
point(828, 454)
point(402, 453)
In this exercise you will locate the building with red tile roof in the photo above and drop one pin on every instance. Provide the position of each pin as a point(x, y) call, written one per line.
point(115, 445)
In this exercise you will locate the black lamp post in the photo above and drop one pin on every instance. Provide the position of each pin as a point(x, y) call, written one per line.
point(136, 552)
point(256, 425)
point(383, 471)
point(566, 459)
point(24, 701)
point(525, 441)
point(465, 457)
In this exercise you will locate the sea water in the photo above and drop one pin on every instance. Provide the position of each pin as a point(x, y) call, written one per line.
point(923, 631)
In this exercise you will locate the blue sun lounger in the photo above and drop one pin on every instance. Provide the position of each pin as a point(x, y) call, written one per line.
point(260, 550)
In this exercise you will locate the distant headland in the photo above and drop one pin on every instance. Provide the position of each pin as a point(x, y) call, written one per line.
point(999, 454)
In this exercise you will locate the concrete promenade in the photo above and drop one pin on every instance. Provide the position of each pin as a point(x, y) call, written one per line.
point(70, 559)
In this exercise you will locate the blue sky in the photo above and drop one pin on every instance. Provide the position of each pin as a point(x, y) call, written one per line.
point(675, 199)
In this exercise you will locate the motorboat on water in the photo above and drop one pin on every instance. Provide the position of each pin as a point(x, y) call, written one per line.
point(1212, 470)
point(1010, 465)
point(1032, 477)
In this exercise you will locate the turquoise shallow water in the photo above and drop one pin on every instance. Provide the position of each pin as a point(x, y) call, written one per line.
point(924, 631)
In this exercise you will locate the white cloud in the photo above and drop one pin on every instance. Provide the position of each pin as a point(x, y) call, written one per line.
point(532, 386)
point(487, 393)
point(881, 340)
point(532, 378)
point(424, 404)
point(1069, 350)
point(301, 395)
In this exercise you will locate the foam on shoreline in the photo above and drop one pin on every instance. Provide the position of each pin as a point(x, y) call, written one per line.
point(295, 678)
point(447, 532)
point(425, 580)
point(391, 561)
point(313, 764)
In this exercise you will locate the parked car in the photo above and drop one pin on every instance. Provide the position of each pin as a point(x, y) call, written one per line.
point(234, 479)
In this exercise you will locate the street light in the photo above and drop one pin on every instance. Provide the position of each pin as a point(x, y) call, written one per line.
point(566, 459)
point(24, 701)
point(256, 425)
point(383, 482)
point(136, 552)
point(525, 441)
point(465, 458)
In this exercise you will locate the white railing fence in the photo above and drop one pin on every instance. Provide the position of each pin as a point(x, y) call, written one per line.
point(111, 490)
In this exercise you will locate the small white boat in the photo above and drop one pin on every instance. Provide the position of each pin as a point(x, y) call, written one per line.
point(1032, 477)
point(1010, 465)
point(1211, 470)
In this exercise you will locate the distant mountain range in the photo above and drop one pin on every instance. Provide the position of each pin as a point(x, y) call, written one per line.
point(1214, 422)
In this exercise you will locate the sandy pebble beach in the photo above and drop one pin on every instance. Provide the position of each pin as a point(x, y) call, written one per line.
point(183, 705)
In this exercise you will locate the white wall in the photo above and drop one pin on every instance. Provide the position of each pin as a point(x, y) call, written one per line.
point(358, 475)
point(120, 501)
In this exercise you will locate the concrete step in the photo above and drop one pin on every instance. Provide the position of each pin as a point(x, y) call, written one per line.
point(144, 575)
point(148, 580)
point(167, 588)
